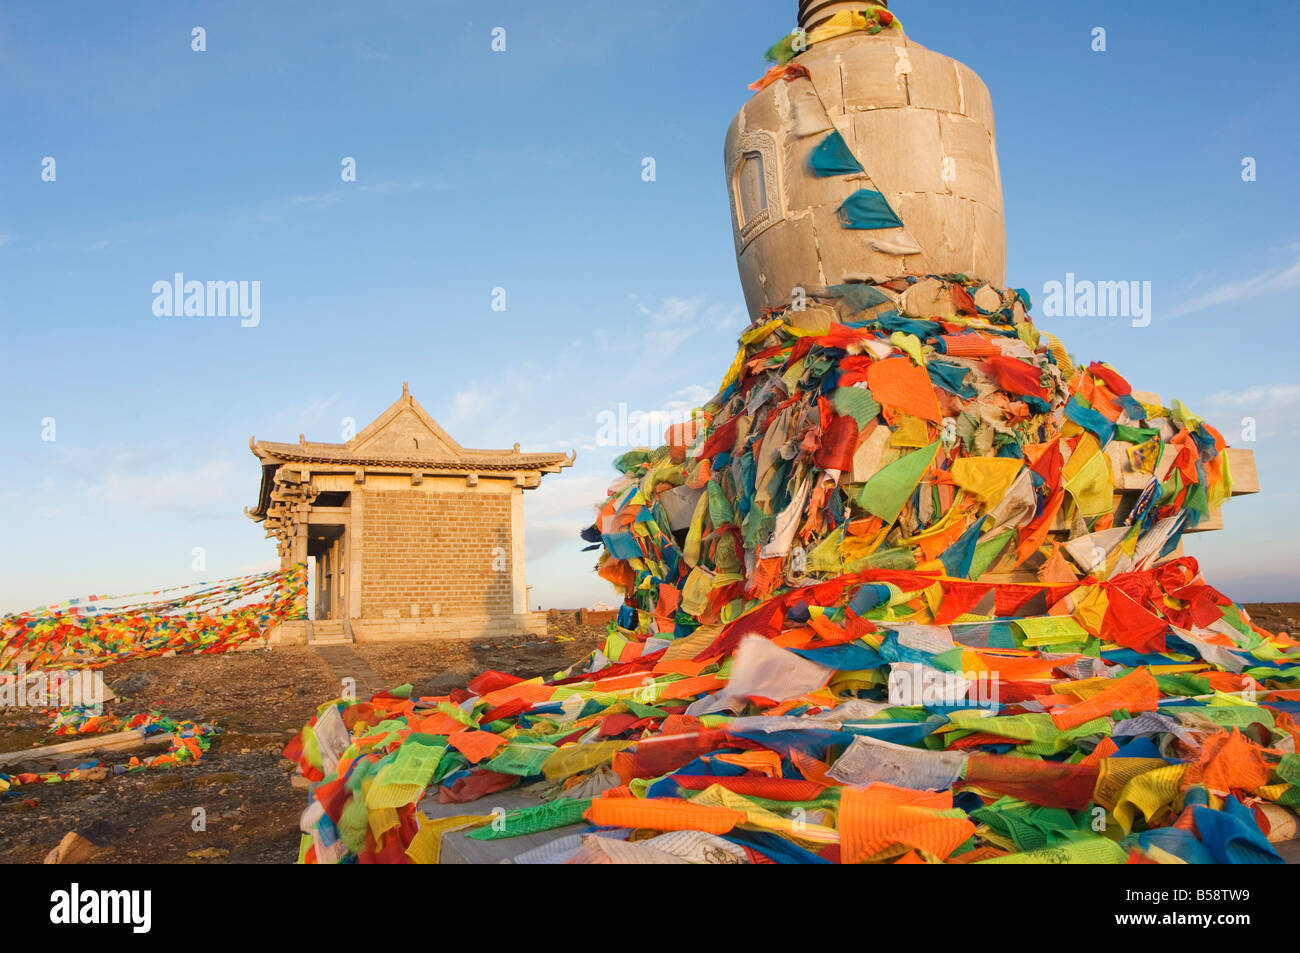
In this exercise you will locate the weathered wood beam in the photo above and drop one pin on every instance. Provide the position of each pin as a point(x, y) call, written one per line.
point(117, 741)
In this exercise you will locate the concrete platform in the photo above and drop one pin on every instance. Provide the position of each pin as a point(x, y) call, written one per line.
point(459, 849)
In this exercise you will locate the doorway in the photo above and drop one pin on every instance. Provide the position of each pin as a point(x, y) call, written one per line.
point(326, 544)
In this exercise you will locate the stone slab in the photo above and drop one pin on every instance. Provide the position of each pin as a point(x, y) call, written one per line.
point(343, 663)
point(459, 849)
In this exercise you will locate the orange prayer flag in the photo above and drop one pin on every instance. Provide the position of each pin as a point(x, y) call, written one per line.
point(529, 691)
point(476, 745)
point(439, 723)
point(1229, 682)
point(870, 824)
point(1104, 750)
point(795, 638)
point(767, 763)
point(1136, 692)
point(618, 573)
point(662, 814)
point(1020, 669)
point(866, 527)
point(883, 791)
point(681, 666)
point(1033, 535)
point(812, 769)
point(899, 384)
point(1229, 761)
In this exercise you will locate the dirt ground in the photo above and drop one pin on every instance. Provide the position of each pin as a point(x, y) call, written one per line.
point(260, 699)
point(1275, 616)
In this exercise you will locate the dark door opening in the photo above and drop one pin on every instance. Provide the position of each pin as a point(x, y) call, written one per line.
point(326, 545)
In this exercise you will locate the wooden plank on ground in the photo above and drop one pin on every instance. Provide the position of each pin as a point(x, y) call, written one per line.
point(117, 741)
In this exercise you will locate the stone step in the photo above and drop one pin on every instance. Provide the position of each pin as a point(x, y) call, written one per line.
point(328, 632)
point(344, 662)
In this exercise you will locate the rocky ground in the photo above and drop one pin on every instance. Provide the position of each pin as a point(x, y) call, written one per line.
point(259, 699)
point(1275, 616)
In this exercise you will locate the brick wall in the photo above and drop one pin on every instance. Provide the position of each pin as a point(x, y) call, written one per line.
point(436, 549)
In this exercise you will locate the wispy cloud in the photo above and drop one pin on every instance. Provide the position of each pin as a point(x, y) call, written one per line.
point(556, 512)
point(1274, 409)
point(495, 408)
point(211, 488)
point(248, 569)
point(131, 482)
point(320, 418)
point(1266, 283)
point(470, 407)
point(568, 494)
point(695, 394)
point(324, 200)
point(314, 411)
point(670, 324)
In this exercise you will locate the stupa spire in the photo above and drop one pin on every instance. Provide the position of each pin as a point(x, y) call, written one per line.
point(815, 12)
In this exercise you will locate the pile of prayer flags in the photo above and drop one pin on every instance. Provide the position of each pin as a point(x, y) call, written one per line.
point(885, 601)
point(101, 630)
point(843, 724)
point(880, 605)
point(915, 424)
point(190, 741)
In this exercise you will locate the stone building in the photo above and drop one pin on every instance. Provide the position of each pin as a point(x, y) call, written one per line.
point(413, 535)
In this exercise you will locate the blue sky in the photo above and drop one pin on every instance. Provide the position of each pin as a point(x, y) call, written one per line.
point(522, 170)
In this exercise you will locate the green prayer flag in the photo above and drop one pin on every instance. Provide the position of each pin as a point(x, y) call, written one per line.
point(856, 402)
point(522, 758)
point(531, 820)
point(885, 494)
point(1090, 850)
point(988, 552)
